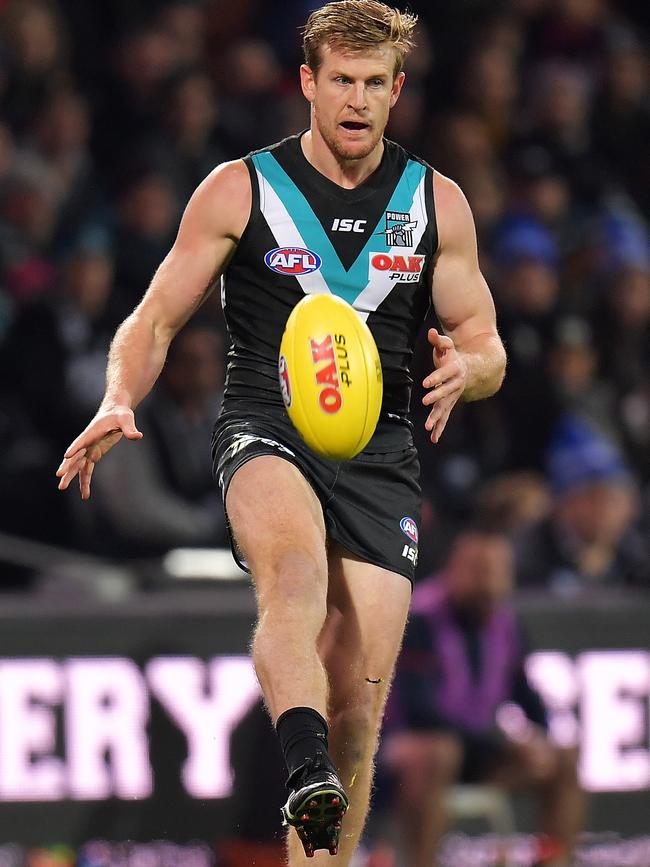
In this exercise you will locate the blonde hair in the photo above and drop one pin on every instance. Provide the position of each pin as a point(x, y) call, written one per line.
point(357, 25)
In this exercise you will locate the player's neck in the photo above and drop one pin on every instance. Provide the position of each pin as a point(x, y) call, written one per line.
point(346, 173)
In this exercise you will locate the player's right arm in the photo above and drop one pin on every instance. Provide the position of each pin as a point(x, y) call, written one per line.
point(212, 224)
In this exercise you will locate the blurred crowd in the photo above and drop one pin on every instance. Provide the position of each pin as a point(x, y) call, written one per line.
point(111, 113)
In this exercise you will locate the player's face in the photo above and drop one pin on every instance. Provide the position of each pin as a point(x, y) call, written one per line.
point(351, 96)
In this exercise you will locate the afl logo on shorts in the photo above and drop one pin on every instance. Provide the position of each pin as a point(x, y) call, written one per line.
point(410, 528)
point(285, 382)
point(293, 261)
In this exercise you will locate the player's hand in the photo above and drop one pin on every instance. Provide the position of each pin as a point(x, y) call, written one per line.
point(446, 383)
point(107, 428)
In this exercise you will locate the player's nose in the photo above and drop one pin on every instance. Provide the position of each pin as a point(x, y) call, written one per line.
point(357, 96)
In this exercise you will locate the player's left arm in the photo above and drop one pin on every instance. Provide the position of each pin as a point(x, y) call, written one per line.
point(469, 359)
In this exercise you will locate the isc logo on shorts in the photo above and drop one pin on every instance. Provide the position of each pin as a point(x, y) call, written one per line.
point(293, 261)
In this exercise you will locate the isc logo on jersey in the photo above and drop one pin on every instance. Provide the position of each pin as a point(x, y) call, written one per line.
point(406, 269)
point(293, 261)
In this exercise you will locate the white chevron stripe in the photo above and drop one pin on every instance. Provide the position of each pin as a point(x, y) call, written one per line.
point(286, 233)
point(380, 283)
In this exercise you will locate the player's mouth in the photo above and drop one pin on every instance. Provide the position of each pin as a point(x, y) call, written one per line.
point(354, 126)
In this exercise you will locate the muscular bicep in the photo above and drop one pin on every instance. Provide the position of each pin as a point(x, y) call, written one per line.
point(210, 229)
point(460, 294)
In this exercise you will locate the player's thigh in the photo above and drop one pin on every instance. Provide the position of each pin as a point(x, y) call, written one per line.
point(277, 523)
point(367, 610)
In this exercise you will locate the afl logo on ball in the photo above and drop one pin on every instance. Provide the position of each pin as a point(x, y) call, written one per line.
point(293, 261)
point(285, 383)
point(410, 528)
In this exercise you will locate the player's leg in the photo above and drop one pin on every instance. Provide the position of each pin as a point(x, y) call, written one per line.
point(277, 522)
point(367, 609)
point(425, 764)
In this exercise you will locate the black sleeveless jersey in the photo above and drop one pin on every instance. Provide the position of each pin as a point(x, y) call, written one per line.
point(372, 245)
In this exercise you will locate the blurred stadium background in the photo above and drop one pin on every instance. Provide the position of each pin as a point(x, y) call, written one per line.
point(125, 693)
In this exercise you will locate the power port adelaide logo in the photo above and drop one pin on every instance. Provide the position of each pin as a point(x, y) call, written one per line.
point(399, 229)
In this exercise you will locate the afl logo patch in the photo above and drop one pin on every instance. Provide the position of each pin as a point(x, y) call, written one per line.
point(409, 528)
point(285, 382)
point(293, 261)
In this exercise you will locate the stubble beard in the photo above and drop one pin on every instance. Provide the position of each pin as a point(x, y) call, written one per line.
point(343, 151)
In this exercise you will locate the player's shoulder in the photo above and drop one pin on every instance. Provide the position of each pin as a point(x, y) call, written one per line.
point(227, 178)
point(452, 208)
point(222, 201)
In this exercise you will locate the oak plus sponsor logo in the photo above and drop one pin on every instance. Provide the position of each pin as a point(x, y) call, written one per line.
point(293, 261)
point(328, 375)
point(406, 269)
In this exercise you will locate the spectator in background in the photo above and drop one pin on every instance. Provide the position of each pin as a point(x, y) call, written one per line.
point(142, 61)
point(572, 372)
point(623, 334)
point(63, 333)
point(621, 117)
point(560, 123)
point(164, 497)
point(462, 659)
point(184, 22)
point(58, 146)
point(147, 218)
point(589, 539)
point(512, 502)
point(184, 148)
point(527, 293)
point(28, 220)
point(253, 100)
point(34, 40)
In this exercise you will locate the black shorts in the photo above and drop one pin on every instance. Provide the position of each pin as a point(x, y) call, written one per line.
point(371, 504)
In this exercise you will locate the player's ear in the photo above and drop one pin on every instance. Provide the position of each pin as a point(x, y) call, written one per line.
point(307, 82)
point(398, 83)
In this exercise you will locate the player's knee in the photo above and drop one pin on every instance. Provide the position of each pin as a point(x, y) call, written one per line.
point(292, 581)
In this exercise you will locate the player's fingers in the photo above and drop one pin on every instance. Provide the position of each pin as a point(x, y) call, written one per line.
point(66, 479)
point(68, 463)
point(85, 475)
point(69, 470)
point(451, 389)
point(439, 341)
point(440, 425)
point(86, 438)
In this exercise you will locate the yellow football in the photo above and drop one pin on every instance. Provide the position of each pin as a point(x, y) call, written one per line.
point(330, 376)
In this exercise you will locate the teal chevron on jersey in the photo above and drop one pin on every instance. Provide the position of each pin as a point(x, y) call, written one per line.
point(346, 283)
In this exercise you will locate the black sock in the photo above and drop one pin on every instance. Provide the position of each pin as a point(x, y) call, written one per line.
point(303, 734)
